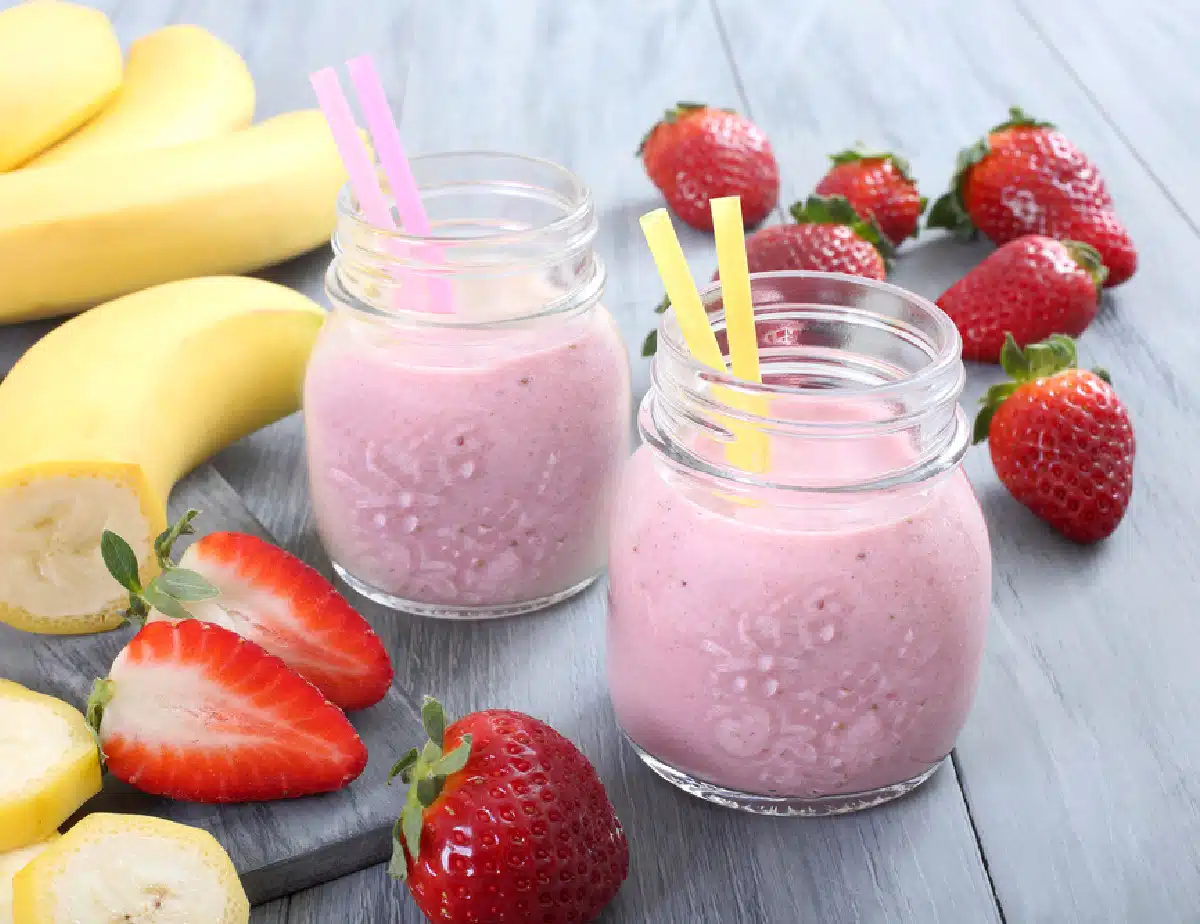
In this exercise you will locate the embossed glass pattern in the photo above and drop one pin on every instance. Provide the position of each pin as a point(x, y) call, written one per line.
point(463, 465)
point(805, 640)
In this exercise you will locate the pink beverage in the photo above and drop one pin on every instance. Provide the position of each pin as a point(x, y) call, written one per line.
point(464, 465)
point(806, 640)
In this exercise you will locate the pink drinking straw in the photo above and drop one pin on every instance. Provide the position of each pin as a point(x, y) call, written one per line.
point(390, 149)
point(361, 169)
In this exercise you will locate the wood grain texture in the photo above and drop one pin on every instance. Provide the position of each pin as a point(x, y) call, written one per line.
point(579, 84)
point(1138, 64)
point(1079, 759)
point(277, 847)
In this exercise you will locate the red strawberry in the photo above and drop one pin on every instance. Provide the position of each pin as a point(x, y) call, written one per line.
point(1060, 439)
point(505, 821)
point(879, 187)
point(258, 590)
point(1025, 177)
point(697, 153)
point(1030, 288)
point(193, 711)
point(276, 600)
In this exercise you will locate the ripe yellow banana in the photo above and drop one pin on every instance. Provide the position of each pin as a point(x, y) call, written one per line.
point(10, 864)
point(105, 413)
point(112, 868)
point(182, 84)
point(79, 232)
point(59, 64)
point(49, 765)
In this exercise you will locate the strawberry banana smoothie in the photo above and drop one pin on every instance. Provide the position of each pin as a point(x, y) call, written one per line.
point(463, 464)
point(806, 640)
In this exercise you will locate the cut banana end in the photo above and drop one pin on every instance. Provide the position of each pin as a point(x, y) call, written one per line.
point(10, 864)
point(51, 518)
point(130, 868)
point(49, 765)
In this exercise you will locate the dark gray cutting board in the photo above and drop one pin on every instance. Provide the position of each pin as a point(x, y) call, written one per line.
point(277, 847)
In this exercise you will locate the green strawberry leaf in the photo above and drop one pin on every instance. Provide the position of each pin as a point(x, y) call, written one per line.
point(453, 761)
point(1102, 373)
point(410, 823)
point(433, 718)
point(1037, 361)
point(650, 344)
point(859, 152)
point(662, 306)
point(403, 767)
point(120, 560)
point(183, 584)
point(949, 211)
point(1088, 259)
point(398, 864)
point(164, 602)
point(428, 789)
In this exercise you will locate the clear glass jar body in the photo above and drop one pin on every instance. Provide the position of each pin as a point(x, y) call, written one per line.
point(806, 639)
point(463, 464)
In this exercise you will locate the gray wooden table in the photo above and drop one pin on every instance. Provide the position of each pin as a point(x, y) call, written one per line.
point(1074, 794)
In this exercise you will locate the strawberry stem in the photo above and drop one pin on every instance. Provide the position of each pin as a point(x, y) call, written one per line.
point(858, 152)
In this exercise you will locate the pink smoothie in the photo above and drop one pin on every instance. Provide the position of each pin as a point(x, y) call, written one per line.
point(810, 645)
point(468, 468)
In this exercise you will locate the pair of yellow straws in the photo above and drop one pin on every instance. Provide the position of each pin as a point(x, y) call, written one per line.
point(749, 451)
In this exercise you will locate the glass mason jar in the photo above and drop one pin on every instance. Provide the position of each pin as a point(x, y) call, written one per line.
point(805, 640)
point(463, 463)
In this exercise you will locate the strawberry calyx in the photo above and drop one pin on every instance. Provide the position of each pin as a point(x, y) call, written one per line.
point(1037, 361)
point(858, 153)
point(99, 697)
point(1088, 259)
point(1019, 118)
point(670, 117)
point(425, 771)
point(171, 588)
point(837, 210)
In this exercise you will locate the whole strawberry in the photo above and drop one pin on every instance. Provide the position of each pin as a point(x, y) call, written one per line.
point(505, 821)
point(697, 153)
point(1030, 288)
point(1026, 177)
point(879, 186)
point(1060, 439)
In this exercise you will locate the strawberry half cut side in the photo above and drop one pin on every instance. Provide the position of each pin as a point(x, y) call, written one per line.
point(194, 711)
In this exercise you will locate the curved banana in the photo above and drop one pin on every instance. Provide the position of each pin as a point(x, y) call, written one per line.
point(86, 230)
point(12, 863)
point(59, 64)
point(130, 868)
point(105, 413)
point(182, 84)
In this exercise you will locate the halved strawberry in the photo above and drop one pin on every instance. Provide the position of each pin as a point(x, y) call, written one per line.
point(194, 711)
point(261, 592)
point(276, 600)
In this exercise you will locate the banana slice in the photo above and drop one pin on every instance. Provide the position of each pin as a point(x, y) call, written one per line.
point(49, 765)
point(111, 868)
point(10, 864)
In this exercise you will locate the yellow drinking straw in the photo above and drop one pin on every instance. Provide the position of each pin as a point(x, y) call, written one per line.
point(681, 290)
point(749, 451)
point(735, 287)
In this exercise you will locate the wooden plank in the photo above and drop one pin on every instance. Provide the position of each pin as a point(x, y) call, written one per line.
point(1138, 65)
point(277, 847)
point(525, 77)
point(1078, 758)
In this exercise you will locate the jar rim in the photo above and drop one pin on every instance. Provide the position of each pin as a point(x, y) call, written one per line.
point(577, 203)
point(948, 348)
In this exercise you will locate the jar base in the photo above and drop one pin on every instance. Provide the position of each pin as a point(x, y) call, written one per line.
point(445, 611)
point(783, 806)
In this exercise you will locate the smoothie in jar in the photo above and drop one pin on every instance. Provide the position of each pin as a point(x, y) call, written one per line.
point(805, 640)
point(465, 465)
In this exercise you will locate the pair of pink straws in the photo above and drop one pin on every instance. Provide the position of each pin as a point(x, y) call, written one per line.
point(361, 168)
